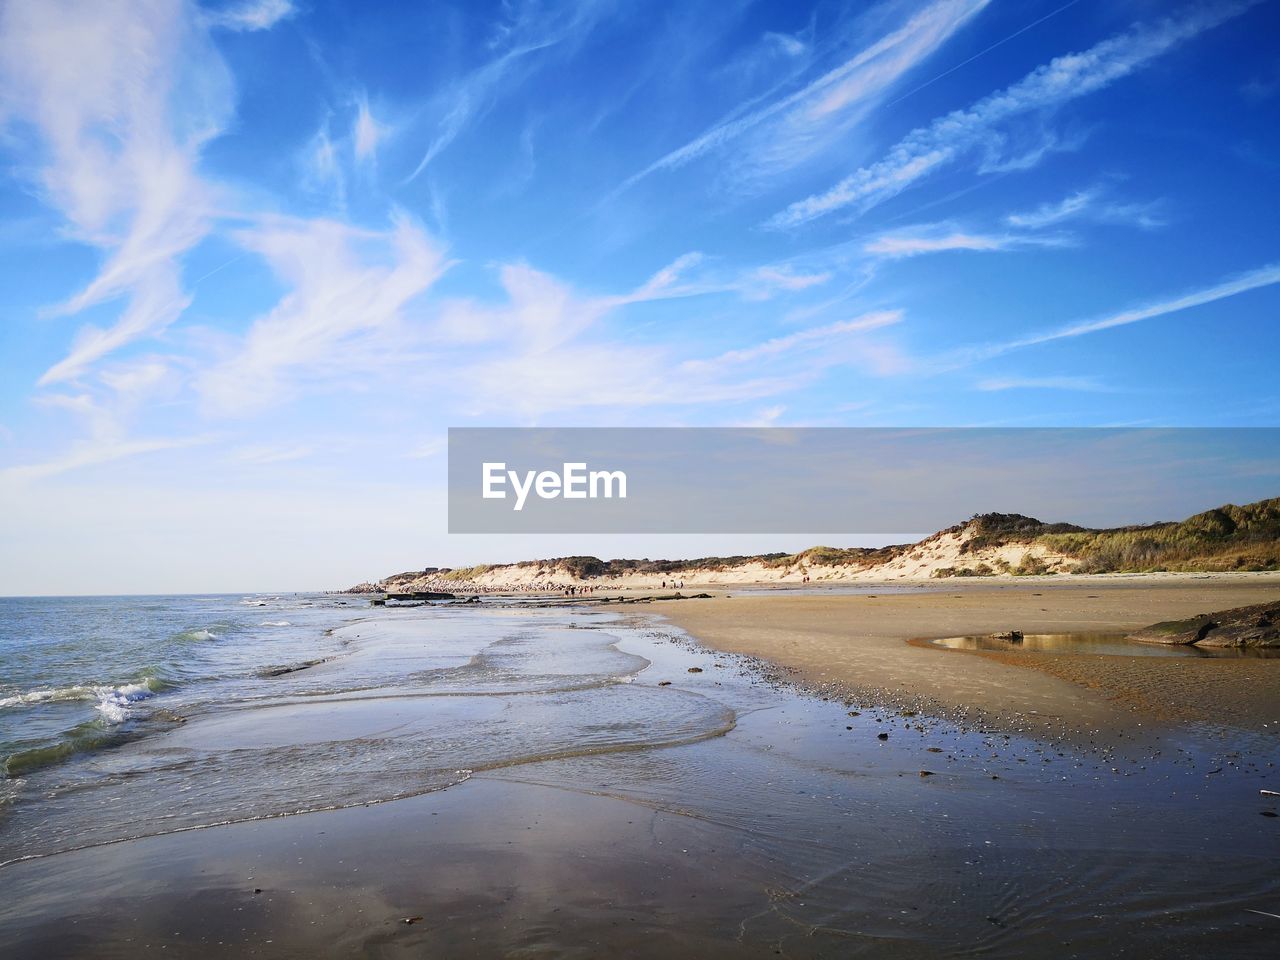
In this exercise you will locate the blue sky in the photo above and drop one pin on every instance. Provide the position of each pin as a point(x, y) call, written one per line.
point(258, 256)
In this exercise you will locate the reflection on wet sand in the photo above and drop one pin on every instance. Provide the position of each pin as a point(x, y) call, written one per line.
point(1103, 644)
point(606, 799)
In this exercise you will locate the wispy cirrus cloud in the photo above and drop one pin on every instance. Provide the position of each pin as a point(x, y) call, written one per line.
point(269, 453)
point(548, 348)
point(785, 278)
point(1083, 384)
point(93, 453)
point(545, 351)
point(1252, 280)
point(367, 133)
point(529, 33)
point(347, 290)
point(323, 170)
point(1048, 214)
point(1088, 204)
point(822, 337)
point(941, 143)
point(944, 238)
point(542, 312)
point(251, 15)
point(786, 130)
point(1258, 279)
point(113, 132)
point(330, 162)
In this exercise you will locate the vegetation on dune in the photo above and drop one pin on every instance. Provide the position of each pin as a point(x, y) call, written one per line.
point(1227, 538)
point(1000, 529)
point(843, 556)
point(466, 573)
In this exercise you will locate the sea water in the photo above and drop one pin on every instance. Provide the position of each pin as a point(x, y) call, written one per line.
point(128, 717)
point(79, 674)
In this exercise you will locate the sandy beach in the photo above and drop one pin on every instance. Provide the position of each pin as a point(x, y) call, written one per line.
point(778, 774)
point(858, 644)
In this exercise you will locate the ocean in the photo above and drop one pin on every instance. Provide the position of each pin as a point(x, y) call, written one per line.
point(125, 717)
point(82, 673)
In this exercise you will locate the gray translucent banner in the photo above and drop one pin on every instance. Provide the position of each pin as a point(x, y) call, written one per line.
point(844, 480)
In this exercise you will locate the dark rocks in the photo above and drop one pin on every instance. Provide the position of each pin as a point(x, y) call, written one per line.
point(1012, 636)
point(882, 736)
point(695, 669)
point(1253, 626)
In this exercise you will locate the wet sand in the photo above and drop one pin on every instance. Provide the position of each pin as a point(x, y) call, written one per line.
point(805, 827)
point(857, 645)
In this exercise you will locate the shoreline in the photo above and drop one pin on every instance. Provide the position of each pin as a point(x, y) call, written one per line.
point(805, 826)
point(859, 645)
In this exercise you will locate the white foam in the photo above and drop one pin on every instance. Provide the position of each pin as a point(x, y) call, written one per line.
point(274, 623)
point(114, 702)
point(49, 695)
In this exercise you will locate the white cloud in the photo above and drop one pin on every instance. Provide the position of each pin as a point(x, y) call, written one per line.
point(120, 126)
point(348, 288)
point(268, 453)
point(942, 142)
point(905, 245)
point(1048, 214)
point(328, 161)
point(787, 279)
point(428, 449)
point(790, 45)
point(1088, 204)
point(1252, 280)
point(579, 377)
point(91, 453)
point(250, 16)
point(793, 127)
point(137, 378)
point(546, 349)
point(105, 410)
point(1085, 384)
point(823, 337)
point(366, 132)
point(942, 238)
point(543, 312)
point(322, 170)
point(474, 94)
